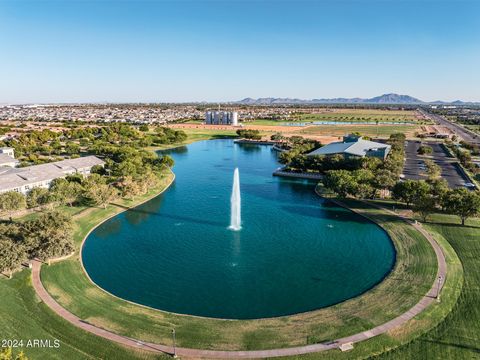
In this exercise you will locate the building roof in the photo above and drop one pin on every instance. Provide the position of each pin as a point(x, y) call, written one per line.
point(360, 147)
point(12, 178)
point(6, 159)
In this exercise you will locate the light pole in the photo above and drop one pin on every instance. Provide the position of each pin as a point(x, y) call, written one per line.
point(174, 344)
point(438, 288)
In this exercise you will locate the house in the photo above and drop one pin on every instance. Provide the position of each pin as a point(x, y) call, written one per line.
point(354, 146)
point(24, 179)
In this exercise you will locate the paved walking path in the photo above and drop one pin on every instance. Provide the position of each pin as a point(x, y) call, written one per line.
point(428, 299)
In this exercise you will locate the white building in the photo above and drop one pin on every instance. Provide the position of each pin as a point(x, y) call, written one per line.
point(221, 118)
point(354, 146)
point(8, 151)
point(24, 179)
point(7, 158)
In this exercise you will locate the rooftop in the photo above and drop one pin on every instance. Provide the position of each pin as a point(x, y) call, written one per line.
point(6, 159)
point(352, 146)
point(11, 178)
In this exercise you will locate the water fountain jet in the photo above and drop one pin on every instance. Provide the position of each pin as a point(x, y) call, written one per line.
point(235, 209)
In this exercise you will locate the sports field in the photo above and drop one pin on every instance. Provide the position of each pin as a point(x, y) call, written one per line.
point(382, 131)
point(361, 116)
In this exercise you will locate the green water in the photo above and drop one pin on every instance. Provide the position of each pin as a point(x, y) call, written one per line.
point(295, 252)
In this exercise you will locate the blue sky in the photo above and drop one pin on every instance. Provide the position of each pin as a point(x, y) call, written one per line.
point(125, 51)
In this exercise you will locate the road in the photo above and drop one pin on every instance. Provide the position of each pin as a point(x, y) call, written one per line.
point(412, 167)
point(459, 130)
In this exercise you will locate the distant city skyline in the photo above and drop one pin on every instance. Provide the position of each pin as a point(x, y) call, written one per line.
point(219, 51)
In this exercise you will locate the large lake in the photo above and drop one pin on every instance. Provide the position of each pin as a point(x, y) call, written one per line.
point(295, 252)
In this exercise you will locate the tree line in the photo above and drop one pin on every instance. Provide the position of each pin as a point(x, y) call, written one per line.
point(424, 196)
point(129, 171)
point(38, 147)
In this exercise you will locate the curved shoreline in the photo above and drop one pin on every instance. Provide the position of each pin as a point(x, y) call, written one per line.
point(105, 220)
point(229, 319)
point(424, 302)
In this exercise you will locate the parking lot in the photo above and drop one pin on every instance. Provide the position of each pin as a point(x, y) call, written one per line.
point(414, 164)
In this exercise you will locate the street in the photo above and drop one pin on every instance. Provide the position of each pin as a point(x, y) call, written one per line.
point(465, 134)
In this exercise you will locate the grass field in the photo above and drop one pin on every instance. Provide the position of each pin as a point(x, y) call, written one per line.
point(349, 115)
point(416, 266)
point(197, 135)
point(361, 115)
point(457, 337)
point(24, 317)
point(366, 130)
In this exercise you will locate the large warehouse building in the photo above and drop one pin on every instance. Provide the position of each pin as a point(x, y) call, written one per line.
point(24, 179)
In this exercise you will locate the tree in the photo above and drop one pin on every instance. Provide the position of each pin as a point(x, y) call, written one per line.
point(277, 137)
point(147, 182)
point(12, 253)
point(433, 170)
point(7, 354)
point(464, 157)
point(49, 235)
point(72, 148)
point(463, 203)
point(439, 188)
point(384, 179)
point(12, 200)
point(56, 146)
point(249, 134)
point(409, 190)
point(425, 150)
point(66, 192)
point(100, 194)
point(339, 181)
point(129, 187)
point(424, 205)
point(37, 197)
point(364, 190)
point(167, 160)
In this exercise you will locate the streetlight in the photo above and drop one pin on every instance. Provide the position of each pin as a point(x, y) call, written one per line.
point(438, 288)
point(174, 345)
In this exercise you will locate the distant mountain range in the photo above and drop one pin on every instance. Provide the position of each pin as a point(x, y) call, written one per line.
point(382, 99)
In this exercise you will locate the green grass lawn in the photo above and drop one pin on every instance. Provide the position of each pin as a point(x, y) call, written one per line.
point(366, 130)
point(348, 115)
point(198, 135)
point(458, 336)
point(411, 278)
point(24, 317)
point(364, 115)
